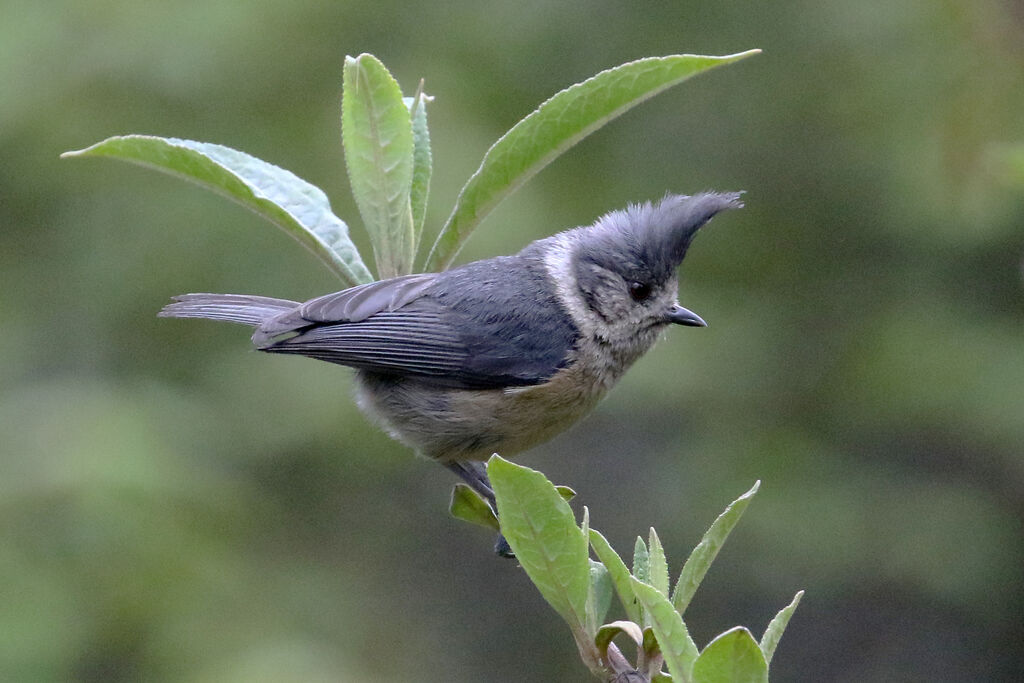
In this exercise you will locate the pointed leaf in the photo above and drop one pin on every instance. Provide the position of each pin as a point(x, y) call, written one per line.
point(732, 657)
point(468, 506)
point(376, 130)
point(619, 574)
point(658, 564)
point(591, 607)
point(558, 124)
point(422, 162)
point(565, 492)
point(541, 530)
point(289, 202)
point(674, 641)
point(703, 555)
point(641, 561)
point(607, 633)
point(772, 634)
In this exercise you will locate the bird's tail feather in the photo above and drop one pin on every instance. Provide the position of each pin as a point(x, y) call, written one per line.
point(233, 308)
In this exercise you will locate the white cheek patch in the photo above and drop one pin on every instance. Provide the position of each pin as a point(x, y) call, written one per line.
point(559, 263)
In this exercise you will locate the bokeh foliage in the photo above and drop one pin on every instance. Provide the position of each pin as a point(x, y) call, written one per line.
point(174, 507)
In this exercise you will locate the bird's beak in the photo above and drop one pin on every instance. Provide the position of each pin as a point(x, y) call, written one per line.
point(683, 316)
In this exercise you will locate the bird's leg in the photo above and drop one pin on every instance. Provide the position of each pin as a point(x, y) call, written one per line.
point(475, 475)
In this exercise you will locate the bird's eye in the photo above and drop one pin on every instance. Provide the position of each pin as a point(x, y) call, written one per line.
point(639, 290)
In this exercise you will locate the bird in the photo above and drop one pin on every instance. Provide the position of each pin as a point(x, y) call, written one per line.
point(497, 355)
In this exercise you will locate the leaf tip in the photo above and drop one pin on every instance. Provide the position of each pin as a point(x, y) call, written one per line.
point(745, 54)
point(496, 459)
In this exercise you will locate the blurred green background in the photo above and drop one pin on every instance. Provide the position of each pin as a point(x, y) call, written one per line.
point(176, 507)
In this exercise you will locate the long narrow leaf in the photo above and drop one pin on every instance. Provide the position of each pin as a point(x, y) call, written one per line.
point(703, 555)
point(558, 124)
point(376, 130)
point(658, 565)
point(772, 634)
point(674, 641)
point(619, 573)
point(289, 202)
point(422, 163)
point(641, 561)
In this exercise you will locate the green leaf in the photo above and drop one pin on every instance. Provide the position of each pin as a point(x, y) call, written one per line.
point(297, 207)
point(607, 633)
point(674, 641)
point(732, 657)
point(565, 492)
point(619, 574)
point(773, 634)
point(703, 555)
point(658, 565)
point(558, 124)
point(641, 561)
point(422, 162)
point(601, 590)
point(468, 506)
point(541, 530)
point(376, 130)
point(591, 607)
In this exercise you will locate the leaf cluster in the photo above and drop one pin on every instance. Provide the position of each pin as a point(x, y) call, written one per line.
point(555, 553)
point(387, 150)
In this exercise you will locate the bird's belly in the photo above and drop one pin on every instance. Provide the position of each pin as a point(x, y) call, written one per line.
point(450, 424)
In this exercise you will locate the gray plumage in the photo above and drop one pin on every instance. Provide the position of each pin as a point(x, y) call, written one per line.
point(499, 354)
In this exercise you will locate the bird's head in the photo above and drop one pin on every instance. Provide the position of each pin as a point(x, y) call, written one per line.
point(625, 263)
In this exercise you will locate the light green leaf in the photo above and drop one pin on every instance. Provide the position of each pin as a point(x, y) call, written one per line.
point(601, 589)
point(607, 633)
point(674, 641)
point(658, 565)
point(591, 608)
point(732, 657)
point(468, 506)
point(289, 202)
point(641, 561)
point(703, 555)
point(541, 530)
point(619, 574)
point(558, 124)
point(773, 634)
point(422, 162)
point(376, 130)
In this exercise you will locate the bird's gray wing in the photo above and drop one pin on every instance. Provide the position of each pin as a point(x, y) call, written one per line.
point(411, 341)
point(445, 329)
